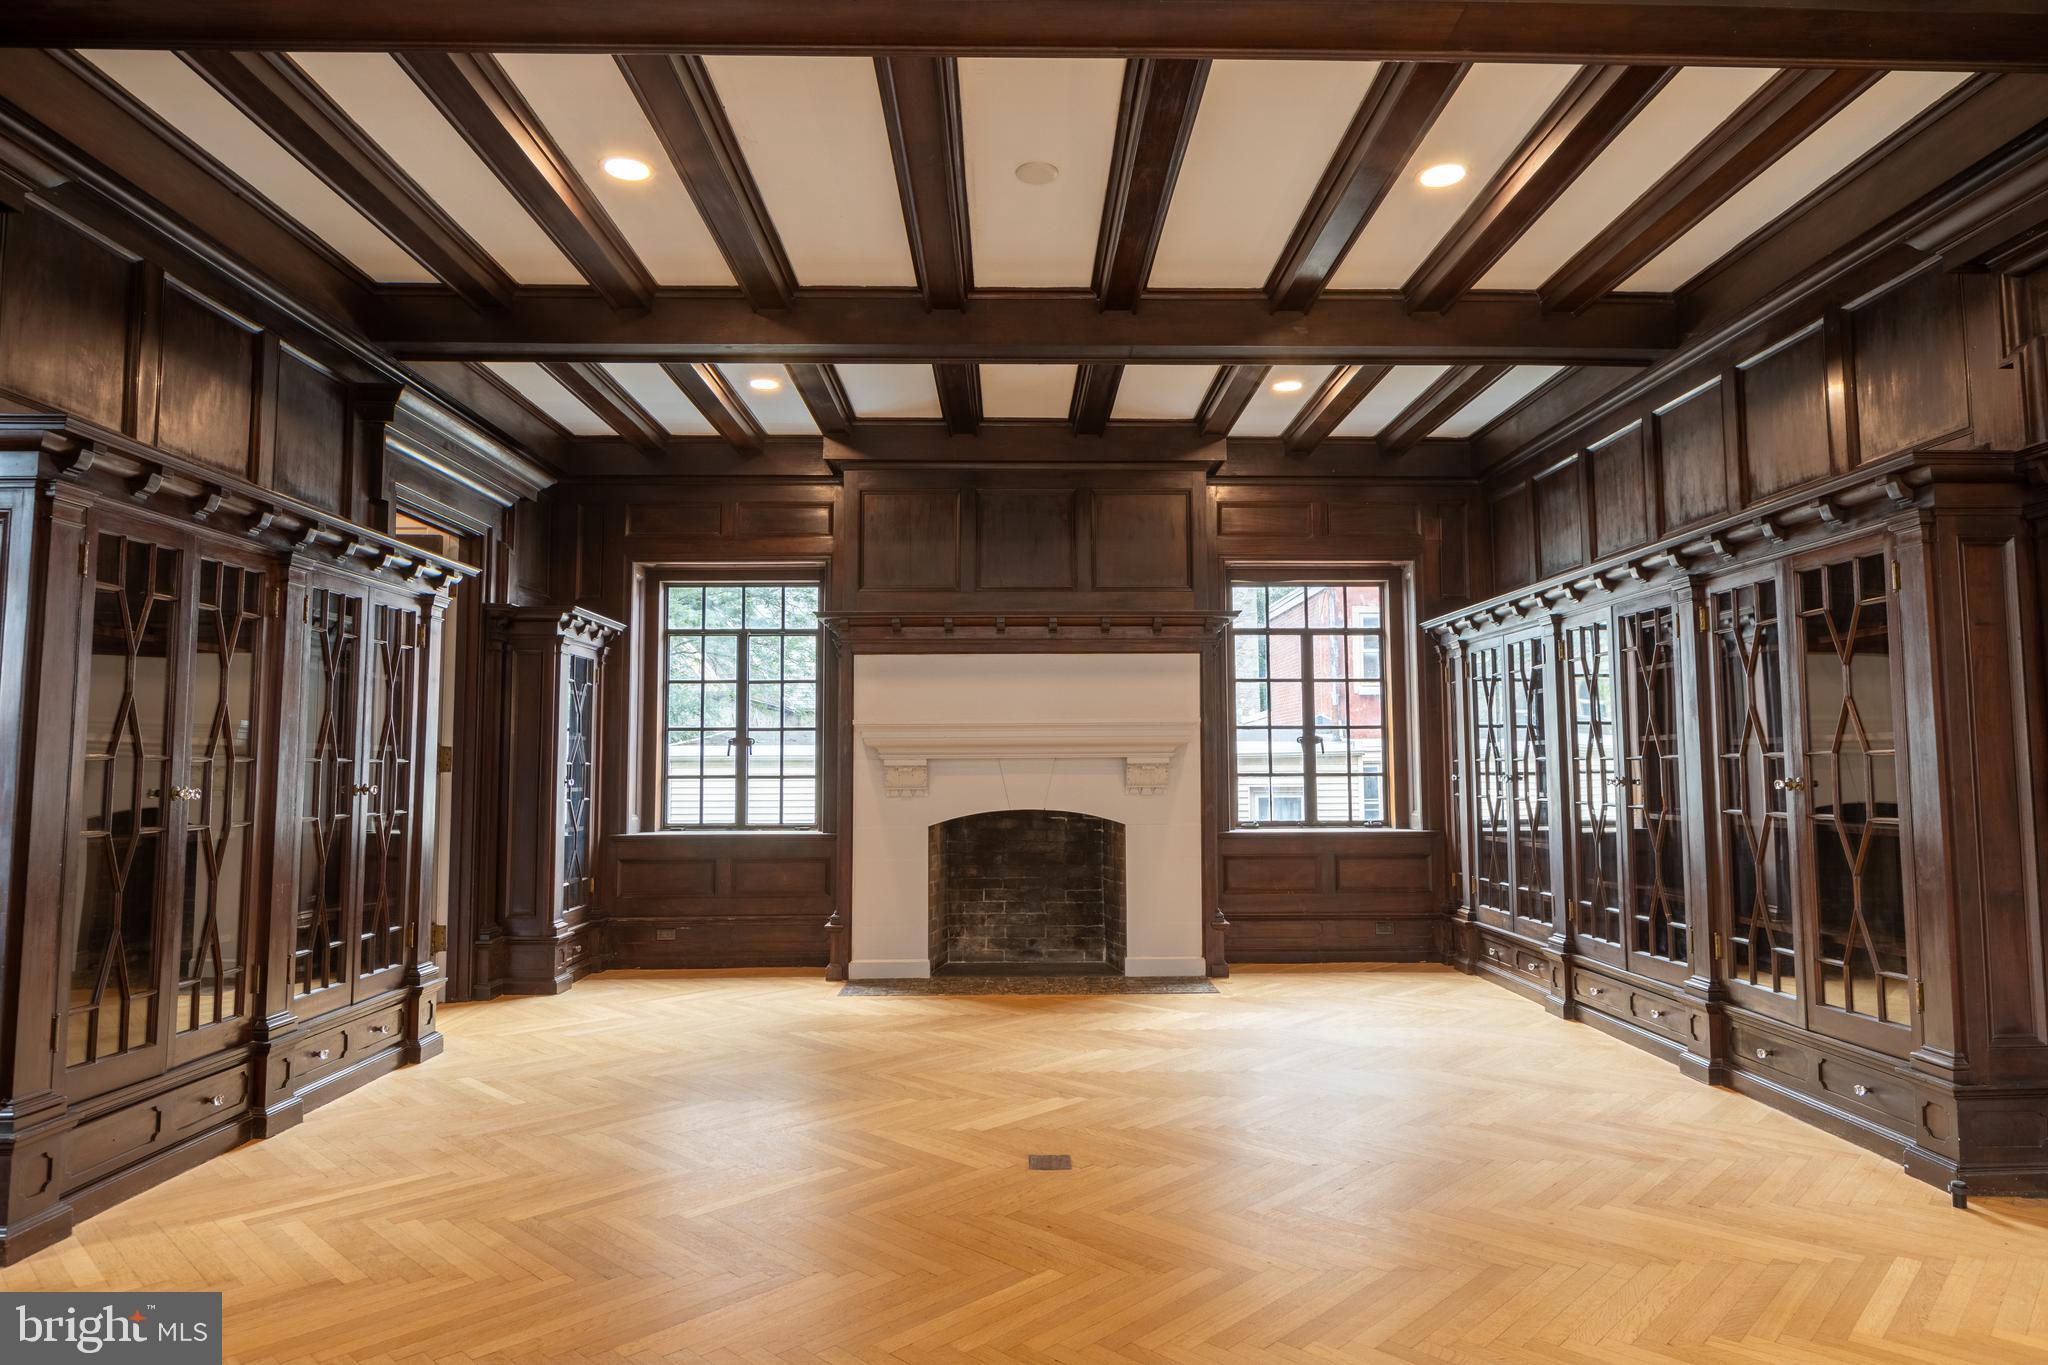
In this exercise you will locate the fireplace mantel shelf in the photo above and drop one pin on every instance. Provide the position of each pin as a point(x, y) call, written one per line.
point(1148, 749)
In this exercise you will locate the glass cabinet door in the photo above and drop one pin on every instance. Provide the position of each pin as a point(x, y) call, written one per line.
point(1596, 877)
point(1859, 927)
point(129, 813)
point(386, 793)
point(1493, 891)
point(1652, 792)
point(220, 862)
point(579, 781)
point(1528, 681)
point(330, 665)
point(1752, 777)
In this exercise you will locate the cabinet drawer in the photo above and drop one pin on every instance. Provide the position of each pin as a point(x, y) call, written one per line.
point(1599, 992)
point(332, 1048)
point(1656, 1012)
point(1535, 967)
point(1867, 1088)
point(207, 1102)
point(1753, 1050)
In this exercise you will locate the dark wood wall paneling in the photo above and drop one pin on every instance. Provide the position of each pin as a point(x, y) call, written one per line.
point(1913, 363)
point(1034, 543)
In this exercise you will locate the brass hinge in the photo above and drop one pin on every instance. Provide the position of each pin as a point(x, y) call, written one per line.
point(1919, 995)
point(85, 556)
point(277, 602)
point(1896, 584)
point(420, 633)
point(306, 608)
point(1717, 947)
point(1703, 619)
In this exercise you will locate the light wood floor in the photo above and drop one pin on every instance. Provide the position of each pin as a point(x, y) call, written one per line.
point(1318, 1165)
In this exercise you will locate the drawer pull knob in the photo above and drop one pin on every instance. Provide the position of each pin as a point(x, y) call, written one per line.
point(322, 1055)
point(1861, 1090)
point(1536, 967)
point(1596, 990)
point(1762, 1053)
point(216, 1101)
point(1656, 1014)
point(380, 1028)
point(1493, 952)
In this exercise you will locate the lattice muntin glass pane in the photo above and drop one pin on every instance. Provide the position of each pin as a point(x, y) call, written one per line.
point(1529, 757)
point(578, 769)
point(219, 824)
point(1750, 744)
point(1852, 771)
point(125, 793)
point(327, 813)
point(740, 705)
point(1310, 694)
point(388, 771)
point(1657, 906)
point(1596, 882)
point(1491, 787)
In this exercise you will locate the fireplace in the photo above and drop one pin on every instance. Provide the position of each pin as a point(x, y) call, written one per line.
point(1027, 891)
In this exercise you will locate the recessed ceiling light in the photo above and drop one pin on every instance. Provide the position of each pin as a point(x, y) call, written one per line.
point(626, 168)
point(1287, 386)
point(1437, 177)
point(762, 383)
point(1038, 172)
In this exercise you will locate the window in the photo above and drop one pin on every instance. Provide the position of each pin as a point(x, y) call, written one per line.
point(1313, 696)
point(739, 705)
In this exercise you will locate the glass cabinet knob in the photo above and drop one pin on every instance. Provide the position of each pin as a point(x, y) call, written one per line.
point(1790, 784)
point(366, 789)
point(1762, 1053)
point(1861, 1091)
point(322, 1055)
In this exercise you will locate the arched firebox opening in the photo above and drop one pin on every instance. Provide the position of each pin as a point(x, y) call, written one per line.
point(1027, 891)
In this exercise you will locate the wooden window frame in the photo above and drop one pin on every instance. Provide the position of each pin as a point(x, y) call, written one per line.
point(1396, 657)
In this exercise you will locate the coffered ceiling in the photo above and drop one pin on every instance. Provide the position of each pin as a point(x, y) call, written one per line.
point(1249, 244)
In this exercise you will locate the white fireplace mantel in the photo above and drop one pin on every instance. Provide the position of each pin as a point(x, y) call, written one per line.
point(1148, 749)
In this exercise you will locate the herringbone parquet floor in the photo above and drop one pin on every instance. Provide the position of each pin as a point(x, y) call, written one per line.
point(1318, 1165)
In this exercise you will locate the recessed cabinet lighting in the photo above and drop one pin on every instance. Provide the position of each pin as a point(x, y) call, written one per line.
point(1438, 177)
point(626, 168)
point(762, 383)
point(1287, 386)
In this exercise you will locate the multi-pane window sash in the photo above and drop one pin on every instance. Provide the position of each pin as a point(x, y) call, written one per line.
point(739, 705)
point(1311, 695)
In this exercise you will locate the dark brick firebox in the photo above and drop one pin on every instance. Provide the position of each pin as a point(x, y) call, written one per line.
point(1027, 889)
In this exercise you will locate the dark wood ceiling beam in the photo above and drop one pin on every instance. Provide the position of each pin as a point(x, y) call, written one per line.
point(1791, 105)
point(1961, 35)
point(473, 92)
point(921, 109)
point(593, 386)
point(1597, 104)
point(280, 99)
point(959, 397)
point(1346, 387)
point(825, 396)
point(1094, 398)
point(676, 94)
point(708, 391)
point(1061, 328)
point(1437, 404)
point(1153, 123)
point(1229, 392)
point(1396, 113)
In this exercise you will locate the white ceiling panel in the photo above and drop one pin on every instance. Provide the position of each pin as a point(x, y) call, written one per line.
point(589, 110)
point(1263, 136)
point(1871, 118)
point(374, 91)
point(1025, 391)
point(1161, 393)
point(1493, 108)
point(1059, 111)
point(540, 388)
point(780, 410)
point(887, 393)
point(812, 132)
point(1690, 106)
point(1269, 413)
point(181, 98)
point(653, 390)
point(1510, 389)
point(1389, 398)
